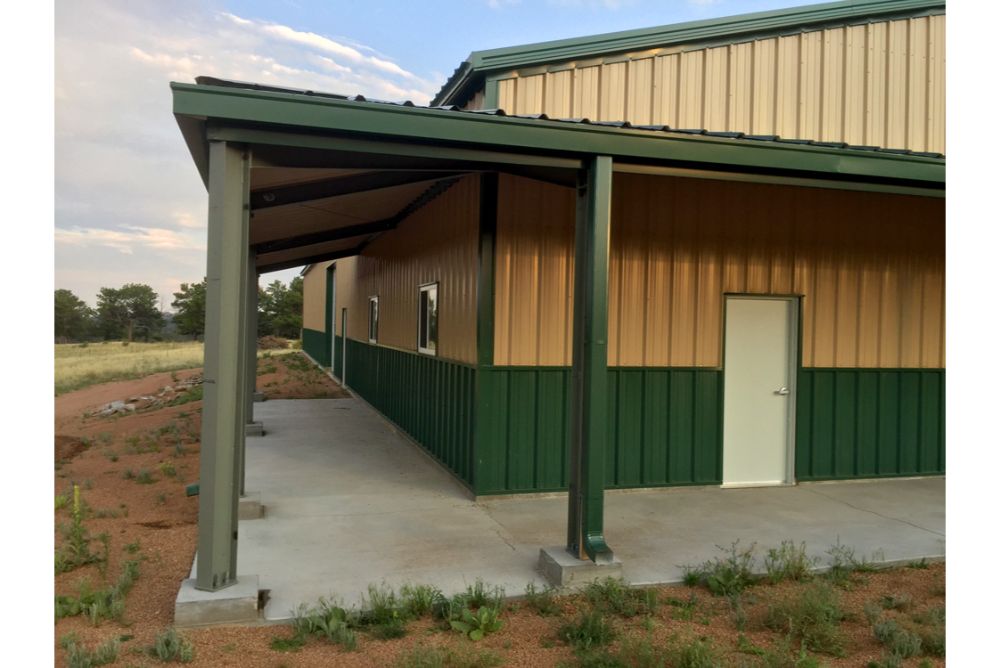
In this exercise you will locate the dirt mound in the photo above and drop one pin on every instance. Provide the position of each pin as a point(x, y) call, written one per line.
point(68, 447)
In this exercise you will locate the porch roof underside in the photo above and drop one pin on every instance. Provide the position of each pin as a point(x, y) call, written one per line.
point(330, 174)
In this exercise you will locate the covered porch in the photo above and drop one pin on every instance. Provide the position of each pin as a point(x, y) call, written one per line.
point(351, 502)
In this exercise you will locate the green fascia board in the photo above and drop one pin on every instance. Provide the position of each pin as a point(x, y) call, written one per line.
point(729, 28)
point(294, 112)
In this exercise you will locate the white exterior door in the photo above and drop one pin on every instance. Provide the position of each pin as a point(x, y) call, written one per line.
point(759, 374)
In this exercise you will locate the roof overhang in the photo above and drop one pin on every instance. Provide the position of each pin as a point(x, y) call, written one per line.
point(469, 76)
point(330, 174)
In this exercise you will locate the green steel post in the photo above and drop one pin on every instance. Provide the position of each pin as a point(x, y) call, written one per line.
point(250, 370)
point(585, 535)
point(482, 409)
point(223, 419)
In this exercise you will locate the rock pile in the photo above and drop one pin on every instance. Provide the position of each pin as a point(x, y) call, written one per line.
point(146, 402)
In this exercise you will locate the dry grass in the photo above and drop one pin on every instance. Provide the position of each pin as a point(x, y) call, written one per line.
point(80, 365)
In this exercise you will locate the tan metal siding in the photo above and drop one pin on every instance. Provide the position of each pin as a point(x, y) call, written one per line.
point(439, 243)
point(880, 83)
point(344, 286)
point(314, 298)
point(870, 267)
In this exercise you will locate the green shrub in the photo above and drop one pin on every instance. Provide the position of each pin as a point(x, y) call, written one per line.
point(897, 601)
point(418, 600)
point(480, 594)
point(171, 646)
point(725, 576)
point(326, 620)
point(788, 562)
point(144, 477)
point(543, 600)
point(78, 656)
point(587, 630)
point(613, 595)
point(478, 624)
point(932, 641)
point(683, 610)
point(898, 640)
point(102, 604)
point(813, 618)
point(698, 653)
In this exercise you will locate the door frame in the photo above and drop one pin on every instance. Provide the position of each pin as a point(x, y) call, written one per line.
point(794, 366)
point(331, 305)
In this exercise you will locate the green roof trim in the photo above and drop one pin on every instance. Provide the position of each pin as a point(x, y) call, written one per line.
point(274, 116)
point(468, 76)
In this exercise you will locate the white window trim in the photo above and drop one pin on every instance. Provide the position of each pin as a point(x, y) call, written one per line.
point(420, 291)
point(373, 298)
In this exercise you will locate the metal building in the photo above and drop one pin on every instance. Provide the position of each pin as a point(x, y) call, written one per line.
point(707, 254)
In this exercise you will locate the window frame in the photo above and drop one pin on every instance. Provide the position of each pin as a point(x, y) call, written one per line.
point(421, 289)
point(372, 299)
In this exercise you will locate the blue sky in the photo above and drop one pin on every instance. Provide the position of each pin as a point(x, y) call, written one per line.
point(129, 206)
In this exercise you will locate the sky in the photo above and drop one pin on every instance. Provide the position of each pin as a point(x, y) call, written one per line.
point(129, 205)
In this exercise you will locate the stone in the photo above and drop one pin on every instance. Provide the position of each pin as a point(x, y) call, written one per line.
point(564, 570)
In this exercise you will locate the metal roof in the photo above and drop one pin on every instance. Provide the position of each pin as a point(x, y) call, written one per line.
point(469, 75)
point(659, 129)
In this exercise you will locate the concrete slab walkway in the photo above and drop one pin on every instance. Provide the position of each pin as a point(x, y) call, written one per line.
point(350, 502)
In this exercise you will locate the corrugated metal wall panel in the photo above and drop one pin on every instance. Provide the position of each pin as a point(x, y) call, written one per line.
point(880, 83)
point(346, 270)
point(440, 242)
point(870, 267)
point(314, 298)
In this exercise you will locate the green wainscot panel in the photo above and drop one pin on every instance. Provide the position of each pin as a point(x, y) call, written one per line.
point(663, 428)
point(338, 356)
point(317, 345)
point(867, 423)
point(429, 398)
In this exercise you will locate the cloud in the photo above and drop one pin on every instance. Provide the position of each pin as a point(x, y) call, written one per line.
point(501, 4)
point(127, 239)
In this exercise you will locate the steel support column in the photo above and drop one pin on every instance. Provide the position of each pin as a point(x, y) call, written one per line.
point(585, 535)
point(223, 412)
point(250, 359)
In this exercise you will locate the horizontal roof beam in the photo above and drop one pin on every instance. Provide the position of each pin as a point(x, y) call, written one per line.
point(334, 234)
point(264, 266)
point(265, 198)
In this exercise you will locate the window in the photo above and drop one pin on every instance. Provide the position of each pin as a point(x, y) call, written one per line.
point(427, 320)
point(373, 319)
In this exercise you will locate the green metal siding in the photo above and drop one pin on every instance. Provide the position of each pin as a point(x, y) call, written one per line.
point(664, 428)
point(429, 398)
point(861, 423)
point(317, 345)
point(338, 356)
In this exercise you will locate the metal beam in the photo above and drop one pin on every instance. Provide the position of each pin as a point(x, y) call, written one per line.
point(250, 360)
point(326, 236)
point(265, 267)
point(585, 534)
point(266, 198)
point(223, 420)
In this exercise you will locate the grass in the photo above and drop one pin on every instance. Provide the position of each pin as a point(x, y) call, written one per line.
point(78, 656)
point(813, 618)
point(788, 562)
point(614, 596)
point(542, 601)
point(75, 550)
point(170, 646)
point(588, 630)
point(725, 576)
point(100, 604)
point(445, 657)
point(78, 366)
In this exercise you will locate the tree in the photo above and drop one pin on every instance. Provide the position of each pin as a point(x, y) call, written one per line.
point(74, 320)
point(128, 311)
point(280, 310)
point(190, 306)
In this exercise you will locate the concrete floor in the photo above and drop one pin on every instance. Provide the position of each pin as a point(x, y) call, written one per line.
point(350, 502)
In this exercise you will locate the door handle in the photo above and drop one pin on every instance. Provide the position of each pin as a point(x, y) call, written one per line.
point(782, 391)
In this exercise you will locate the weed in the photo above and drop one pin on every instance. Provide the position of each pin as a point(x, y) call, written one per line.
point(589, 629)
point(542, 600)
point(888, 660)
point(813, 618)
point(144, 477)
point(844, 562)
point(920, 564)
point(418, 600)
point(698, 653)
point(478, 624)
point(75, 550)
point(103, 604)
point(78, 656)
point(161, 499)
point(932, 640)
point(683, 610)
point(171, 646)
point(727, 575)
point(897, 601)
point(782, 656)
point(931, 616)
point(132, 548)
point(167, 469)
point(480, 594)
point(444, 657)
point(105, 437)
point(128, 474)
point(195, 393)
point(107, 513)
point(633, 653)
point(788, 562)
point(111, 455)
point(737, 612)
point(62, 501)
point(293, 644)
point(898, 640)
point(615, 596)
point(328, 621)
